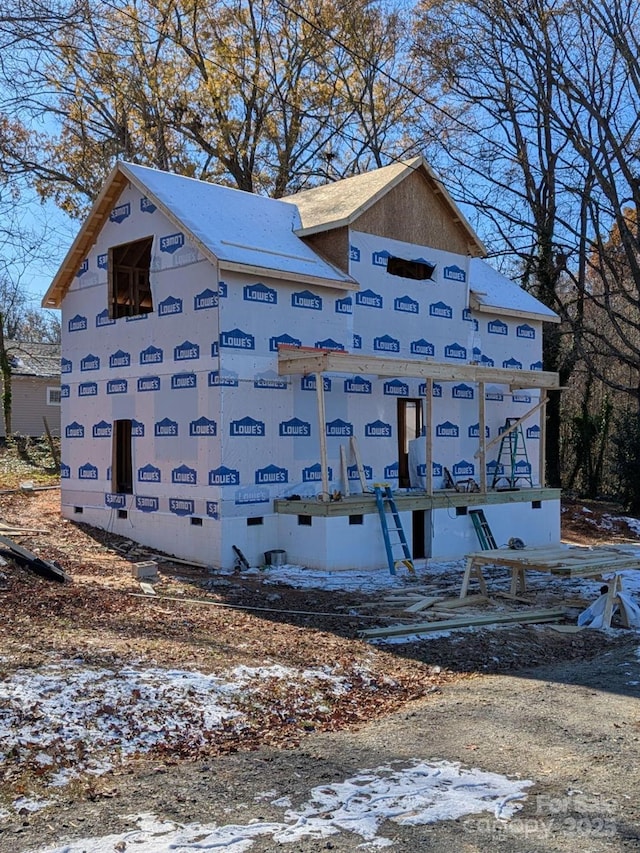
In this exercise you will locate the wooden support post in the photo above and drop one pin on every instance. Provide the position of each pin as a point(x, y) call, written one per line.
point(428, 437)
point(356, 455)
point(542, 462)
point(344, 471)
point(324, 465)
point(54, 450)
point(482, 428)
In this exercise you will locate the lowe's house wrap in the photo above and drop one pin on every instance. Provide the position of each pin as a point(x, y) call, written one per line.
point(216, 365)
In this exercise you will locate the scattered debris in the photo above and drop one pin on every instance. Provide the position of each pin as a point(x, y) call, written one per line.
point(46, 569)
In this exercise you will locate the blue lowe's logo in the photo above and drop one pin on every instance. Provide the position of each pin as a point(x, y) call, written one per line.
point(120, 359)
point(512, 364)
point(170, 306)
point(313, 474)
point(203, 427)
point(271, 475)
point(391, 472)
point(149, 474)
point(224, 476)
point(520, 397)
point(77, 323)
point(88, 389)
point(308, 383)
point(146, 205)
point(464, 469)
point(102, 261)
point(378, 429)
point(497, 327)
point(90, 362)
point(522, 468)
point(172, 243)
point(485, 361)
point(344, 306)
point(285, 340)
point(525, 331)
point(74, 430)
point(186, 351)
point(218, 378)
point(65, 471)
point(474, 431)
point(396, 388)
point(462, 392)
point(533, 431)
point(329, 344)
point(83, 268)
point(339, 428)
point(137, 429)
point(354, 254)
point(135, 318)
point(441, 310)
point(406, 305)
point(260, 293)
point(149, 383)
point(222, 289)
point(494, 467)
point(353, 474)
point(87, 472)
point(357, 385)
point(386, 343)
point(357, 342)
point(237, 339)
point(466, 315)
point(536, 365)
point(183, 381)
point(369, 299)
point(447, 430)
point(247, 428)
point(166, 428)
point(145, 503)
point(115, 501)
point(454, 273)
point(117, 386)
point(66, 366)
point(422, 347)
point(65, 391)
point(120, 213)
point(379, 259)
point(101, 430)
point(103, 319)
point(455, 351)
point(295, 428)
point(213, 509)
point(306, 299)
point(494, 394)
point(251, 495)
point(151, 355)
point(184, 476)
point(181, 506)
point(270, 380)
point(205, 300)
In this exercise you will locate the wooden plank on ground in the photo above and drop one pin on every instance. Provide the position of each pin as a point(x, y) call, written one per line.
point(521, 616)
point(422, 604)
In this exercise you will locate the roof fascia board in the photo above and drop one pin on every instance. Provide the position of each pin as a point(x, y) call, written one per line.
point(291, 361)
point(475, 303)
point(266, 272)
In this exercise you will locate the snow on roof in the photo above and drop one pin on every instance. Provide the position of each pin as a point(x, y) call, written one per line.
point(236, 227)
point(492, 291)
point(341, 202)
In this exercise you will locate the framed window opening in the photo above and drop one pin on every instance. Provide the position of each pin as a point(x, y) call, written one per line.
point(409, 427)
point(122, 462)
point(129, 279)
point(417, 270)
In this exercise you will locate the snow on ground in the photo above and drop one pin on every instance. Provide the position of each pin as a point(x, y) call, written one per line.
point(68, 718)
point(423, 793)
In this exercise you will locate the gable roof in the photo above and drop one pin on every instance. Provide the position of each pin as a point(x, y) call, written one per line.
point(28, 358)
point(491, 292)
point(342, 202)
point(236, 229)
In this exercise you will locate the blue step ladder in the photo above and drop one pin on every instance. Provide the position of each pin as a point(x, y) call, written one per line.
point(386, 505)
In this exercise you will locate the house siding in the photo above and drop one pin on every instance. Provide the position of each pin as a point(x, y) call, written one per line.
point(29, 406)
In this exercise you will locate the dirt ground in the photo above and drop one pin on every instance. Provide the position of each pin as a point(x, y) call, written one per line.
point(558, 709)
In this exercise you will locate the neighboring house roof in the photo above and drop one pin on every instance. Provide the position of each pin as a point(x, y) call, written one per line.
point(33, 359)
point(238, 230)
point(492, 292)
point(342, 202)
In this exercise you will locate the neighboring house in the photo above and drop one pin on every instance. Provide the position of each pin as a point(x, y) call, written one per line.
point(35, 388)
point(196, 322)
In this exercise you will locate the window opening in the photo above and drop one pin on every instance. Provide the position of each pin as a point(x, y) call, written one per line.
point(409, 427)
point(129, 279)
point(122, 464)
point(419, 270)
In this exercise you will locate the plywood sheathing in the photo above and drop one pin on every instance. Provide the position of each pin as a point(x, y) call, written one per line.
point(333, 246)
